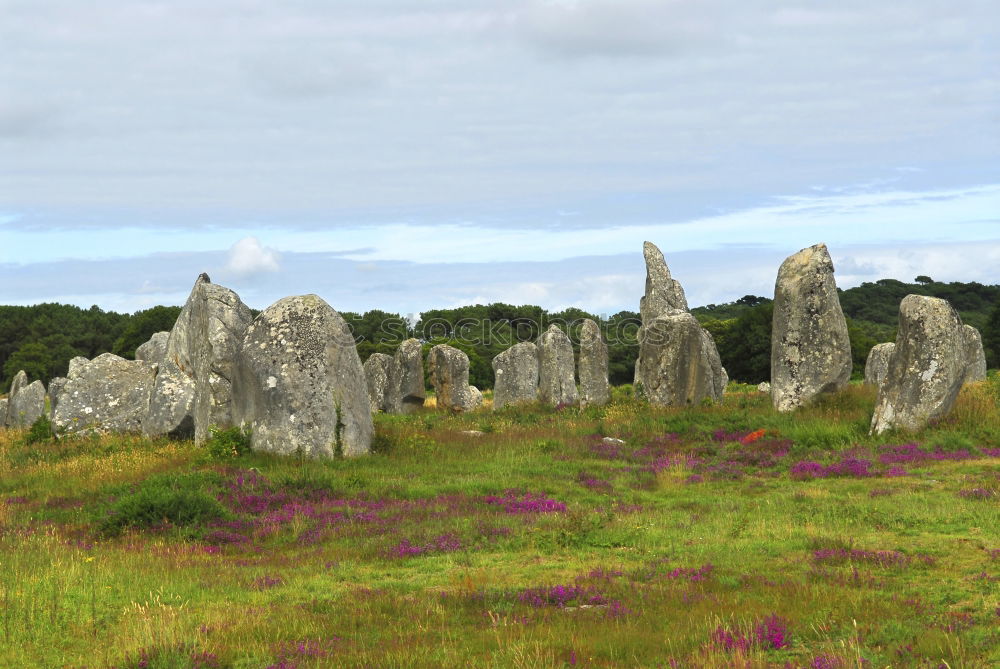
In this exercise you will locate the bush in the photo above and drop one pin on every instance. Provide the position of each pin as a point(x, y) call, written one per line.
point(41, 430)
point(178, 501)
point(223, 444)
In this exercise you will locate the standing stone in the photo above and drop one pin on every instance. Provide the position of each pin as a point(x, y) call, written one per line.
point(593, 366)
point(516, 375)
point(556, 368)
point(56, 387)
point(26, 401)
point(153, 350)
point(975, 356)
point(202, 346)
point(926, 370)
point(299, 385)
point(380, 377)
point(76, 365)
point(3, 411)
point(449, 370)
point(810, 347)
point(476, 397)
point(697, 373)
point(676, 364)
point(409, 389)
point(877, 364)
point(108, 394)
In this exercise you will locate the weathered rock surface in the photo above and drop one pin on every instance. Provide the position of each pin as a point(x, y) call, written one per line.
point(409, 389)
point(592, 367)
point(678, 364)
point(76, 365)
point(202, 346)
point(763, 387)
point(556, 368)
point(382, 380)
point(56, 387)
point(476, 397)
point(810, 347)
point(681, 380)
point(663, 292)
point(449, 371)
point(516, 375)
point(877, 364)
point(108, 394)
point(153, 350)
point(26, 401)
point(975, 356)
point(299, 385)
point(927, 368)
point(3, 411)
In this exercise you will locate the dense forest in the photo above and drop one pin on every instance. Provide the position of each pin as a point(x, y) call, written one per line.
point(41, 339)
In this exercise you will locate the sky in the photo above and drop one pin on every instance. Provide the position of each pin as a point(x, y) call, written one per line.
point(412, 154)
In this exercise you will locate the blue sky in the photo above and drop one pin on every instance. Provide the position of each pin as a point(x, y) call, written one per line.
point(411, 154)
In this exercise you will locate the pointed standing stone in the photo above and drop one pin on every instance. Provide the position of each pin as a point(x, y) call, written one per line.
point(379, 376)
point(26, 401)
point(516, 375)
point(810, 347)
point(593, 366)
point(663, 292)
point(556, 368)
point(878, 363)
point(926, 370)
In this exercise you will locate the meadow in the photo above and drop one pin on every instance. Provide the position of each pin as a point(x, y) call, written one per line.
point(722, 535)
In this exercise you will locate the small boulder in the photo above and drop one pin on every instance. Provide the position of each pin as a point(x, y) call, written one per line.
point(379, 376)
point(556, 368)
point(476, 396)
point(153, 350)
point(516, 375)
point(409, 389)
point(975, 356)
point(26, 401)
point(810, 347)
point(678, 364)
point(299, 385)
point(926, 369)
point(592, 367)
point(449, 370)
point(108, 394)
point(878, 363)
point(763, 387)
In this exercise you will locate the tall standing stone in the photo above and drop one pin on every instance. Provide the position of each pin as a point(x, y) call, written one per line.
point(516, 375)
point(155, 349)
point(810, 347)
point(449, 371)
point(926, 370)
point(556, 368)
point(26, 401)
point(678, 361)
point(381, 377)
point(202, 346)
point(592, 367)
point(3, 411)
point(975, 356)
point(108, 394)
point(409, 388)
point(299, 385)
point(56, 387)
point(877, 365)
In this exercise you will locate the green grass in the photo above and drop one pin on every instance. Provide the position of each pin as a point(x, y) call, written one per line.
point(120, 551)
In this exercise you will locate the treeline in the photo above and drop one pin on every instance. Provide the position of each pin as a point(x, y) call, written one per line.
point(41, 339)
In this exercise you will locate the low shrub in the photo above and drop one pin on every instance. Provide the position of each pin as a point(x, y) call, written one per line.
point(162, 501)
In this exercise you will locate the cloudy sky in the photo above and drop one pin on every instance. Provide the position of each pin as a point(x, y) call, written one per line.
point(411, 154)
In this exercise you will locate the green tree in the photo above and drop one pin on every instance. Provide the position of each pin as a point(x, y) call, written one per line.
point(991, 338)
point(143, 325)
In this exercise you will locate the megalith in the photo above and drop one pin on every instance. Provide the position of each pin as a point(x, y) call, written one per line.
point(409, 391)
point(810, 347)
point(25, 402)
point(201, 347)
point(380, 377)
point(299, 386)
point(449, 371)
point(556, 368)
point(56, 387)
point(153, 350)
point(975, 356)
point(926, 369)
point(475, 397)
point(3, 411)
point(878, 363)
point(107, 394)
point(592, 367)
point(678, 362)
point(516, 375)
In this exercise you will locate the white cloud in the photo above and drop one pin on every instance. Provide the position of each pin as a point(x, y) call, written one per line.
point(247, 257)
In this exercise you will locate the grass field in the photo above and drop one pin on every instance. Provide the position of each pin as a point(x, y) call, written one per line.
point(723, 535)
